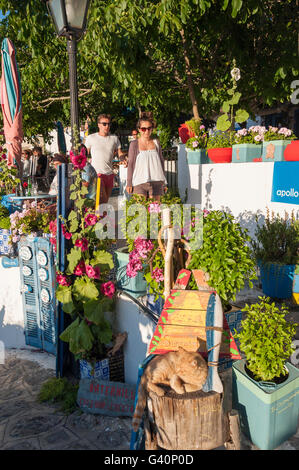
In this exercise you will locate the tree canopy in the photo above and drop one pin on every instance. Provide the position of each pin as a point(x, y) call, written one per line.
point(162, 55)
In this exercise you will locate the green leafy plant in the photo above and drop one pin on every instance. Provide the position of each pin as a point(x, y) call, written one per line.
point(277, 239)
point(199, 134)
point(275, 133)
point(4, 218)
point(61, 391)
point(224, 255)
point(227, 120)
point(8, 177)
point(85, 289)
point(220, 140)
point(266, 339)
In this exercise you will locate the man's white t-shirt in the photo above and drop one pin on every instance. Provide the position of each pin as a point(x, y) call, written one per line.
point(102, 150)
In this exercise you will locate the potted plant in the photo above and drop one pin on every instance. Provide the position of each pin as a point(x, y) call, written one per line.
point(224, 255)
point(142, 271)
point(196, 145)
point(264, 384)
point(275, 142)
point(84, 289)
point(220, 147)
point(276, 252)
point(247, 145)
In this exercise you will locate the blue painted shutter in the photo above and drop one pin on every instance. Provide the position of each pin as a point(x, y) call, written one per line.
point(39, 315)
point(30, 299)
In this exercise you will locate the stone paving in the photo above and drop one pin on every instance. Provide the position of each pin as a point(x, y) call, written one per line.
point(26, 424)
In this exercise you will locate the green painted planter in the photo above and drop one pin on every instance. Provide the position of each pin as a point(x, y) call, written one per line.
point(196, 157)
point(268, 415)
point(273, 150)
point(246, 152)
point(135, 286)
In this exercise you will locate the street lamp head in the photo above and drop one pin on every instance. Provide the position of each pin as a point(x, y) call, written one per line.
point(69, 16)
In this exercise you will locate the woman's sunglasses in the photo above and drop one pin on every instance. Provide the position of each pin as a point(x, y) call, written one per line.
point(144, 129)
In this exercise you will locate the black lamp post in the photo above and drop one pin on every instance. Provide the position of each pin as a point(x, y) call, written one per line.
point(70, 18)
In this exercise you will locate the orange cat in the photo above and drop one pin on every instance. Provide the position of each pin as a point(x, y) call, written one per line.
point(182, 370)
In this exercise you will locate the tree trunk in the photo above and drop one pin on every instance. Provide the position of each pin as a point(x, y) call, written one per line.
point(193, 421)
point(189, 77)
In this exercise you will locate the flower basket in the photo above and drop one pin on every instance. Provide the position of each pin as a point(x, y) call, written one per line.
point(246, 152)
point(220, 155)
point(196, 157)
point(273, 150)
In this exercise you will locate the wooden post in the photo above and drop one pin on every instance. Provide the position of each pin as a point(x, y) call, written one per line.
point(168, 275)
point(192, 421)
point(234, 443)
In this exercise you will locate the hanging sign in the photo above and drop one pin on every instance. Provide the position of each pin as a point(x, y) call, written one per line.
point(106, 398)
point(285, 186)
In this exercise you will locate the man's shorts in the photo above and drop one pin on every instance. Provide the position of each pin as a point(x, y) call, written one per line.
point(154, 188)
point(106, 181)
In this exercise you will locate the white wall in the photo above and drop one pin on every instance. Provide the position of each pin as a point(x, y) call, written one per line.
point(11, 308)
point(140, 330)
point(243, 189)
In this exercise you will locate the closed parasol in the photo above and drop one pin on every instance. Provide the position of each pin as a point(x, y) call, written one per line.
point(61, 138)
point(11, 103)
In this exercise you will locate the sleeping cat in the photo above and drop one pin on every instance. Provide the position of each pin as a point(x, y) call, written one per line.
point(182, 370)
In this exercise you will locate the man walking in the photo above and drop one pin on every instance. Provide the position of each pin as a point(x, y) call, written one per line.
point(103, 147)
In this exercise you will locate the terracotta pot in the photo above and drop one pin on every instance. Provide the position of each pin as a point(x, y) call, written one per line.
point(291, 153)
point(221, 155)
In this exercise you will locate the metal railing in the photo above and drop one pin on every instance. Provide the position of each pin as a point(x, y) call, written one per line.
point(171, 165)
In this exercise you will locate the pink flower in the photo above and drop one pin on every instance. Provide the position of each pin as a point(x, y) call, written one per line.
point(66, 234)
point(158, 274)
point(195, 144)
point(154, 207)
point(93, 272)
point(82, 243)
point(62, 280)
point(202, 127)
point(80, 269)
point(79, 161)
point(108, 289)
point(90, 219)
point(53, 241)
point(53, 227)
point(3, 156)
point(205, 212)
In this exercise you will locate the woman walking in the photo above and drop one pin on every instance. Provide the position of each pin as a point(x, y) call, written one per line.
point(146, 174)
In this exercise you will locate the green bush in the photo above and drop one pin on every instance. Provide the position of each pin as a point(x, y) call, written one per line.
point(224, 255)
point(266, 339)
point(277, 240)
point(60, 391)
point(4, 218)
point(220, 140)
